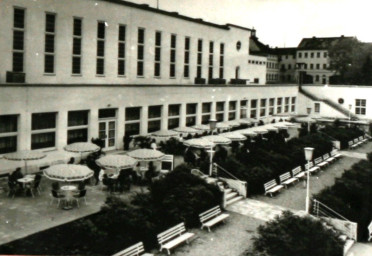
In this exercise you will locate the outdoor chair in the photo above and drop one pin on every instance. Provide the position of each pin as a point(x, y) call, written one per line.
point(55, 186)
point(12, 188)
point(80, 196)
point(57, 196)
point(36, 185)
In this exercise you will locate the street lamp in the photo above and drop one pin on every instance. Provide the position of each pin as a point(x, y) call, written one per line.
point(349, 114)
point(212, 126)
point(308, 121)
point(308, 157)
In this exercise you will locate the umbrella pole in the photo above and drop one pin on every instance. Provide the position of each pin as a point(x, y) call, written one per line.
point(25, 167)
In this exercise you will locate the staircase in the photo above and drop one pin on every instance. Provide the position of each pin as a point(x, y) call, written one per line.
point(330, 103)
point(233, 188)
point(345, 229)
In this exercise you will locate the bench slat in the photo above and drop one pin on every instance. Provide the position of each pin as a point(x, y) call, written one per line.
point(134, 250)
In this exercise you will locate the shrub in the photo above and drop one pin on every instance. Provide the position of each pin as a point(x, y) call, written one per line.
point(343, 134)
point(350, 196)
point(172, 146)
point(290, 235)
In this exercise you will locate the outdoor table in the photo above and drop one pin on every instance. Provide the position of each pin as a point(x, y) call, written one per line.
point(69, 192)
point(142, 170)
point(26, 181)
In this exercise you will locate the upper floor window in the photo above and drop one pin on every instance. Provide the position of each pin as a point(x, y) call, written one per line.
point(76, 46)
point(49, 49)
point(210, 69)
point(121, 50)
point(100, 61)
point(157, 57)
point(186, 67)
point(222, 60)
point(18, 39)
point(199, 59)
point(360, 106)
point(140, 52)
point(172, 68)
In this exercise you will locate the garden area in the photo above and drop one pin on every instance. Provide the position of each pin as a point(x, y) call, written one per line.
point(350, 196)
point(179, 197)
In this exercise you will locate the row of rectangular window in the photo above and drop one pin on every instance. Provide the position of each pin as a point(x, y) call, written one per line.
point(316, 66)
point(312, 54)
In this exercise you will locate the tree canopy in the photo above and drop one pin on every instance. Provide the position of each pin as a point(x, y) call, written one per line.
point(351, 60)
point(291, 235)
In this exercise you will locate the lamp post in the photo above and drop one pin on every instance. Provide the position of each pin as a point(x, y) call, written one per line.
point(212, 126)
point(308, 121)
point(308, 157)
point(349, 114)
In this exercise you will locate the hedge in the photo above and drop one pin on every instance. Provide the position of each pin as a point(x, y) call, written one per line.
point(179, 197)
point(351, 196)
point(344, 135)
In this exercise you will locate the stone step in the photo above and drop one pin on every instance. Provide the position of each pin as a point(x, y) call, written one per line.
point(231, 195)
point(233, 200)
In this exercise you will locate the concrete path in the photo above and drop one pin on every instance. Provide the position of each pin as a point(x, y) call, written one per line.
point(360, 249)
point(354, 154)
point(258, 209)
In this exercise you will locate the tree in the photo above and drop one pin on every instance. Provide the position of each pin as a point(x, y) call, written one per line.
point(290, 235)
point(350, 59)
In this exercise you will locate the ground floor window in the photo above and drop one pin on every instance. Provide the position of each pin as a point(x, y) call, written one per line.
point(43, 134)
point(243, 108)
point(191, 110)
point(220, 110)
point(360, 106)
point(154, 126)
point(286, 106)
point(232, 110)
point(317, 107)
point(206, 112)
point(154, 119)
point(77, 135)
point(293, 104)
point(8, 133)
point(77, 126)
point(279, 102)
point(271, 106)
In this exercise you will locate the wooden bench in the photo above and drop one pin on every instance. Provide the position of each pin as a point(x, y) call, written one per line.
point(286, 179)
point(174, 236)
point(310, 166)
point(329, 159)
point(271, 187)
point(357, 142)
point(335, 154)
point(352, 145)
point(212, 217)
point(320, 163)
point(298, 173)
point(135, 250)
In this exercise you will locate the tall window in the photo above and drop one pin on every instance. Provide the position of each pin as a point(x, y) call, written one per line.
point(154, 118)
point(232, 110)
point(360, 106)
point(262, 107)
point(140, 52)
point(253, 108)
point(157, 57)
point(77, 130)
point(206, 112)
point(293, 104)
point(132, 121)
point(199, 62)
point(220, 110)
point(317, 107)
point(210, 69)
point(101, 34)
point(271, 106)
point(243, 108)
point(172, 67)
point(186, 68)
point(43, 130)
point(18, 39)
point(76, 46)
point(8, 133)
point(286, 106)
point(279, 103)
point(49, 49)
point(173, 116)
point(222, 59)
point(191, 114)
point(121, 50)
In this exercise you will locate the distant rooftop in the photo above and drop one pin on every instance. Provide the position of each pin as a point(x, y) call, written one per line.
point(320, 43)
point(286, 51)
point(146, 7)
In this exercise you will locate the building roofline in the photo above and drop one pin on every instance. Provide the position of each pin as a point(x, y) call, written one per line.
point(146, 7)
point(240, 27)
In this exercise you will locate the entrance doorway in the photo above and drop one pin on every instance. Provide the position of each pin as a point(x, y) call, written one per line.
point(107, 133)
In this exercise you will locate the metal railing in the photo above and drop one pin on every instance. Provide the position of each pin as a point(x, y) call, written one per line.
point(322, 210)
point(232, 181)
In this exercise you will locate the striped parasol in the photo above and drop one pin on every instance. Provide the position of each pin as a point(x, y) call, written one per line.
point(233, 123)
point(25, 155)
point(233, 136)
point(198, 143)
point(145, 154)
point(259, 130)
point(222, 125)
point(68, 172)
point(186, 129)
point(165, 133)
point(247, 132)
point(82, 147)
point(117, 162)
point(202, 127)
point(216, 139)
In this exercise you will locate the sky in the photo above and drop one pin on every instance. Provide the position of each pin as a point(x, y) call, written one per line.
point(281, 23)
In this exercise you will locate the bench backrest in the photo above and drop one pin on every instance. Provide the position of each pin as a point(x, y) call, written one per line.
point(169, 234)
point(285, 177)
point(351, 143)
point(210, 214)
point(318, 160)
point(309, 165)
point(270, 184)
point(296, 170)
point(325, 156)
point(134, 250)
point(334, 152)
point(360, 138)
point(356, 140)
